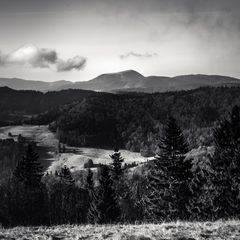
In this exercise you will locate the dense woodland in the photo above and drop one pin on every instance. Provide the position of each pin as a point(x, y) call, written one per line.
point(14, 105)
point(135, 121)
point(168, 188)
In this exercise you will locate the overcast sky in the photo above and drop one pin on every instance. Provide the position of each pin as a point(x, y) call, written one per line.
point(80, 39)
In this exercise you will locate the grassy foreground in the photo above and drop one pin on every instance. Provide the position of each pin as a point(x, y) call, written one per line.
point(166, 231)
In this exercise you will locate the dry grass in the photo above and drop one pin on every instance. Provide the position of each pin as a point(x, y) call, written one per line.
point(167, 231)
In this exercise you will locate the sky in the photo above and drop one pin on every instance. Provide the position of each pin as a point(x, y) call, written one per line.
point(78, 40)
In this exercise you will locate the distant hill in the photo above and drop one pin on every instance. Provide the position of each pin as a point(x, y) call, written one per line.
point(126, 81)
point(21, 84)
point(18, 103)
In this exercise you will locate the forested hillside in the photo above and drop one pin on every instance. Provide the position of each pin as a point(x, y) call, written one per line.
point(134, 121)
point(16, 104)
point(128, 120)
point(170, 187)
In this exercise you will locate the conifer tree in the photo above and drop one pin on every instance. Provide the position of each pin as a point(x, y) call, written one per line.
point(28, 170)
point(107, 207)
point(226, 166)
point(117, 169)
point(201, 205)
point(168, 192)
point(90, 182)
point(66, 176)
point(92, 211)
point(33, 197)
point(65, 190)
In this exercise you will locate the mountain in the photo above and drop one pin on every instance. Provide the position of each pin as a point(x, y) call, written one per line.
point(21, 84)
point(126, 81)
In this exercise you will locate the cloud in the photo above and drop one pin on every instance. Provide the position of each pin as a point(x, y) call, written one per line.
point(35, 57)
point(138, 55)
point(73, 63)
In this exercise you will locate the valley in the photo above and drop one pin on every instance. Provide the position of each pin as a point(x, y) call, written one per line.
point(73, 157)
point(119, 120)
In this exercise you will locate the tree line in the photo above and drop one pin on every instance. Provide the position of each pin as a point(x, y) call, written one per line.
point(135, 121)
point(167, 188)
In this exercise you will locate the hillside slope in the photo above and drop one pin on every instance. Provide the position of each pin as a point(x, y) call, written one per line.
point(134, 121)
point(15, 104)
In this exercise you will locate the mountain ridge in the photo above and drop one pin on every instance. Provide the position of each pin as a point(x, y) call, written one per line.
point(129, 80)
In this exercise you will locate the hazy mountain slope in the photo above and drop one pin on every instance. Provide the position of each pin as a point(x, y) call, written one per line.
point(108, 82)
point(21, 84)
point(185, 82)
point(133, 81)
point(126, 81)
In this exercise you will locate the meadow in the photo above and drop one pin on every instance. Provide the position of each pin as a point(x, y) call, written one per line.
point(74, 157)
point(166, 231)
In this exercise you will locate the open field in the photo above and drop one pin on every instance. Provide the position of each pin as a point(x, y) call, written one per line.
point(166, 231)
point(73, 157)
point(75, 161)
point(40, 134)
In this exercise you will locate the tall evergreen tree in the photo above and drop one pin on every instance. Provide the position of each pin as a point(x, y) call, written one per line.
point(117, 169)
point(64, 203)
point(168, 192)
point(92, 207)
point(66, 176)
point(89, 180)
point(226, 166)
point(107, 206)
point(32, 197)
point(28, 170)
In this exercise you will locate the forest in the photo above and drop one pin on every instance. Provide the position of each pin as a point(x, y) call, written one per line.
point(134, 121)
point(168, 188)
point(18, 105)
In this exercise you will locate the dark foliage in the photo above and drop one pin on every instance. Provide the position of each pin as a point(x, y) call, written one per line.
point(66, 176)
point(171, 187)
point(107, 205)
point(92, 208)
point(28, 170)
point(168, 192)
point(26, 102)
point(135, 121)
point(226, 166)
point(117, 161)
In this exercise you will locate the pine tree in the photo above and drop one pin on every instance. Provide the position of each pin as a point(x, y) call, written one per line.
point(92, 208)
point(90, 182)
point(66, 176)
point(107, 207)
point(28, 170)
point(32, 199)
point(226, 166)
point(201, 205)
point(65, 190)
point(117, 169)
point(168, 192)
